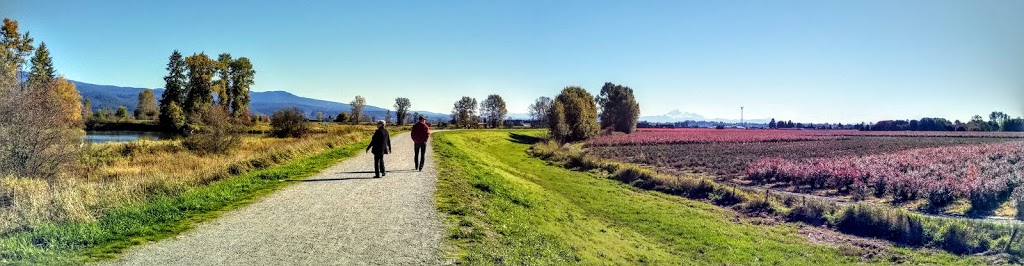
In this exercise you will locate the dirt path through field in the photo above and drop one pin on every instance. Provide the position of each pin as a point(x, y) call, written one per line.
point(341, 216)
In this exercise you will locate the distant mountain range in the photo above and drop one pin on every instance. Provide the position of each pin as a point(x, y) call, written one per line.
point(263, 103)
point(679, 116)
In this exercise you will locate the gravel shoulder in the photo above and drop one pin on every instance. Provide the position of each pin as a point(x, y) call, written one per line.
point(341, 216)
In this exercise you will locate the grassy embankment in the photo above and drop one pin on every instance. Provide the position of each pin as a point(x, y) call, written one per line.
point(137, 192)
point(504, 206)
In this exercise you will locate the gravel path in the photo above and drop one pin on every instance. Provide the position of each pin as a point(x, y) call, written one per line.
point(341, 216)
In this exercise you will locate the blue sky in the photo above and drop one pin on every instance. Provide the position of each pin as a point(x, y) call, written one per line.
point(816, 61)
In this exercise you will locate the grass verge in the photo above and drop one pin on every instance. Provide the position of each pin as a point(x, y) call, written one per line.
point(897, 225)
point(504, 206)
point(161, 217)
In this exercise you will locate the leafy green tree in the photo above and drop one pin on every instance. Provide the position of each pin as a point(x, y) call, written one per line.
point(772, 124)
point(175, 91)
point(402, 109)
point(577, 108)
point(200, 74)
point(242, 78)
point(619, 109)
point(42, 66)
point(122, 113)
point(357, 109)
point(176, 117)
point(342, 117)
point(146, 109)
point(220, 86)
point(493, 108)
point(464, 112)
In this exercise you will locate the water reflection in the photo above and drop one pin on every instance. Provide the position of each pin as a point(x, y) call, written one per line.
point(124, 136)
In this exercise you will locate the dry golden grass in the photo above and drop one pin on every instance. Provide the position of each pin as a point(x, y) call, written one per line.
point(114, 174)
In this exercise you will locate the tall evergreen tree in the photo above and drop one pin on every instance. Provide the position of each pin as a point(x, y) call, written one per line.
point(772, 124)
point(14, 48)
point(42, 66)
point(175, 89)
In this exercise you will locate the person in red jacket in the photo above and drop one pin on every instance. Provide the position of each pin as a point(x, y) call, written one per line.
point(420, 134)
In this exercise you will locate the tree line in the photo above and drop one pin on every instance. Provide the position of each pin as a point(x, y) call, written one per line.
point(575, 115)
point(997, 121)
point(192, 82)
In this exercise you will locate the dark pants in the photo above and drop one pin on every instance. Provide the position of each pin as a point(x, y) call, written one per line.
point(420, 154)
point(378, 165)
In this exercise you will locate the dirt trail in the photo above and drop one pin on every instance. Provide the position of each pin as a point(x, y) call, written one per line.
point(341, 216)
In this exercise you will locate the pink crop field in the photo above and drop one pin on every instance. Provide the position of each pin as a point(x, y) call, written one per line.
point(704, 135)
point(984, 173)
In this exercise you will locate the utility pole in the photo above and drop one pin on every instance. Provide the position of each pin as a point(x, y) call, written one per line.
point(741, 118)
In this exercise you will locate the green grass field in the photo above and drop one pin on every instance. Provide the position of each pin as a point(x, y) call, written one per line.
point(503, 206)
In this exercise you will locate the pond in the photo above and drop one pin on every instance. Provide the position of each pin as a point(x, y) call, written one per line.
point(124, 136)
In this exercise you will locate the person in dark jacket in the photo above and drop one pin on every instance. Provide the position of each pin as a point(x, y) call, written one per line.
point(420, 133)
point(380, 144)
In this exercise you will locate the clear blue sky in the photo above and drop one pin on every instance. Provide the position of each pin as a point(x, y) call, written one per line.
point(817, 61)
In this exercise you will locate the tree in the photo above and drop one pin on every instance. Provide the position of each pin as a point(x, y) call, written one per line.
point(619, 109)
point(540, 109)
point(220, 86)
point(42, 66)
point(288, 123)
point(319, 116)
point(402, 109)
point(573, 115)
point(147, 108)
point(122, 113)
point(176, 116)
point(200, 74)
point(342, 117)
point(242, 78)
point(14, 47)
point(87, 110)
point(415, 117)
point(493, 108)
point(1014, 125)
point(772, 124)
point(357, 108)
point(464, 112)
point(175, 90)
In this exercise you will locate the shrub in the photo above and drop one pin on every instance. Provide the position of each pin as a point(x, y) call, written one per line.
point(869, 221)
point(815, 212)
point(288, 123)
point(215, 133)
point(960, 239)
point(40, 132)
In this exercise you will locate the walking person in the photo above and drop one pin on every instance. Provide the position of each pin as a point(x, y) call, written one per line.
point(380, 144)
point(420, 134)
